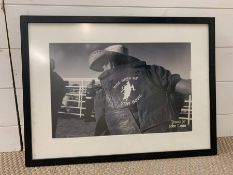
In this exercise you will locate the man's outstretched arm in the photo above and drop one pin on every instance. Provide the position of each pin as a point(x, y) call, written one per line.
point(171, 82)
point(184, 87)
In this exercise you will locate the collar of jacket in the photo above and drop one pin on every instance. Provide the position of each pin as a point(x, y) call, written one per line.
point(134, 64)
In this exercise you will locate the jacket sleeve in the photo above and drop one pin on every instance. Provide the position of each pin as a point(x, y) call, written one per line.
point(167, 80)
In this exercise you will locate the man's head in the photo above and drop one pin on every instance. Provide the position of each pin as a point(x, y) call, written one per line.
point(102, 60)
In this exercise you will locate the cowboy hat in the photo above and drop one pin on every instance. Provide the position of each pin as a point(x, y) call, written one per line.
point(99, 58)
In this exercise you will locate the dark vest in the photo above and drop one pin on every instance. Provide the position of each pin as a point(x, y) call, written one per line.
point(135, 100)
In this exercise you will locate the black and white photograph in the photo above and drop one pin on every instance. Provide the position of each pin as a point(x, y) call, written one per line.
point(103, 89)
point(100, 89)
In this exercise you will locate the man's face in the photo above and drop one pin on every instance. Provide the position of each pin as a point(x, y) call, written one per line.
point(107, 66)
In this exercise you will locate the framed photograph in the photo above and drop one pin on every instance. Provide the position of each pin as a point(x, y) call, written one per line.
point(100, 89)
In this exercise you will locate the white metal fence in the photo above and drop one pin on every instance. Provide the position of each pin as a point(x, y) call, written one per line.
point(76, 96)
point(186, 110)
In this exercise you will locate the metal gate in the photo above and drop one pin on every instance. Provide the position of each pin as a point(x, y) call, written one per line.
point(76, 95)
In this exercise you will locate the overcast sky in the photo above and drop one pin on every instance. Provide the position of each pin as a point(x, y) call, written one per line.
point(71, 59)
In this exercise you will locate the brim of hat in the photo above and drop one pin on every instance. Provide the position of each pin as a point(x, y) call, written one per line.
point(96, 63)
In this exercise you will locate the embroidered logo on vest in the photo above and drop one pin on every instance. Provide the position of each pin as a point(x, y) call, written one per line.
point(125, 90)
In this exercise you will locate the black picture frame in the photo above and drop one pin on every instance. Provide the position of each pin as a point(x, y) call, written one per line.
point(26, 20)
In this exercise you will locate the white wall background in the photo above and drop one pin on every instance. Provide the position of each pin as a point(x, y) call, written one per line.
point(222, 10)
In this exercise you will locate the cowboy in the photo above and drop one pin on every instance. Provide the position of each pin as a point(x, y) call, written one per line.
point(135, 97)
point(57, 94)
